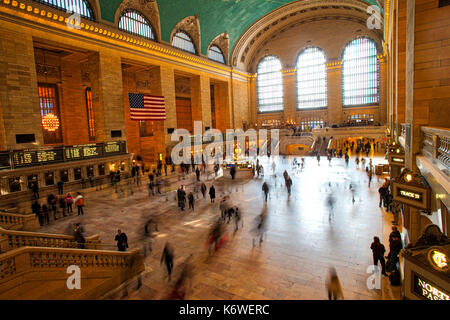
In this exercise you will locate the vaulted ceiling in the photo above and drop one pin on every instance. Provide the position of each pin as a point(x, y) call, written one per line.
point(215, 16)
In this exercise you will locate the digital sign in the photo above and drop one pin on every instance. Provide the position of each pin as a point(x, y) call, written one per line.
point(4, 161)
point(426, 289)
point(112, 147)
point(32, 158)
point(80, 152)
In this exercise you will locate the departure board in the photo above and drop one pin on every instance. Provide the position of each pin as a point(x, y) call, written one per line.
point(85, 151)
point(39, 157)
point(112, 147)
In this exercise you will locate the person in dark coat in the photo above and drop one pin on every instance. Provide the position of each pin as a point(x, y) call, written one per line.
point(60, 186)
point(182, 198)
point(45, 213)
point(382, 191)
point(63, 205)
point(122, 240)
point(78, 236)
point(51, 201)
point(212, 193)
point(35, 188)
point(378, 251)
point(265, 188)
point(36, 209)
point(197, 173)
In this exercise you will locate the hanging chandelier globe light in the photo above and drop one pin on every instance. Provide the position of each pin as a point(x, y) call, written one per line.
point(50, 122)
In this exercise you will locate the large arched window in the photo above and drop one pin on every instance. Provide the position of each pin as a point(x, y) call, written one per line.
point(81, 7)
point(311, 79)
point(134, 22)
point(360, 76)
point(214, 53)
point(269, 85)
point(183, 41)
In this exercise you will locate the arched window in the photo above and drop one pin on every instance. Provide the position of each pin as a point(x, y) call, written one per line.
point(134, 22)
point(311, 79)
point(360, 73)
point(76, 6)
point(183, 41)
point(269, 85)
point(214, 53)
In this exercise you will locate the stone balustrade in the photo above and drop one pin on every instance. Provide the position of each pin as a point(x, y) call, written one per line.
point(436, 147)
point(373, 132)
point(16, 221)
point(41, 273)
point(10, 240)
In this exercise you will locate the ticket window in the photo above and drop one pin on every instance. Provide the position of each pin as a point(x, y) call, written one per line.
point(101, 170)
point(32, 179)
point(77, 173)
point(49, 179)
point(64, 175)
point(90, 171)
point(14, 184)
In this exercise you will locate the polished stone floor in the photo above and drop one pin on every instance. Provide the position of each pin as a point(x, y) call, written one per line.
point(303, 239)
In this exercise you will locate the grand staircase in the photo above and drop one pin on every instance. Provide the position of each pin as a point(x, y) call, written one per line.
point(34, 266)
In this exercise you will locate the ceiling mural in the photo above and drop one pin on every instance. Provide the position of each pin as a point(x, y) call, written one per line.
point(215, 16)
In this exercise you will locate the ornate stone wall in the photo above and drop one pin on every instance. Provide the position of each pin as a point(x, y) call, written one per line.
point(190, 25)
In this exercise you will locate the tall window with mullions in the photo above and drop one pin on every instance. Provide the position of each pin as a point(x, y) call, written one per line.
point(360, 73)
point(82, 7)
point(134, 22)
point(311, 79)
point(269, 85)
point(51, 120)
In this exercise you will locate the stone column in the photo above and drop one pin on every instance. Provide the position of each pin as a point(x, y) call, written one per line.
point(201, 100)
point(111, 91)
point(19, 98)
point(335, 109)
point(168, 91)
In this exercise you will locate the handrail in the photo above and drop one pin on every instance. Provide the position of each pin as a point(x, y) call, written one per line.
point(11, 239)
point(436, 145)
point(28, 259)
point(14, 218)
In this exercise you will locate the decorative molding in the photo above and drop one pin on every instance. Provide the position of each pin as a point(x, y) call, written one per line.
point(223, 42)
point(191, 26)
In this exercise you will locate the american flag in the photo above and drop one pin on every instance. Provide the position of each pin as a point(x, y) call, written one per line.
point(146, 107)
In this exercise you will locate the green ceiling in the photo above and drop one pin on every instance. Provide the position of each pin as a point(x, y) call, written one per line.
point(216, 16)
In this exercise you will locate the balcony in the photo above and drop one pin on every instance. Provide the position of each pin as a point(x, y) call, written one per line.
point(436, 147)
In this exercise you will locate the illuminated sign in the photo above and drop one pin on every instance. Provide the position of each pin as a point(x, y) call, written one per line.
point(409, 194)
point(428, 290)
point(112, 147)
point(399, 160)
point(414, 195)
point(438, 259)
point(32, 158)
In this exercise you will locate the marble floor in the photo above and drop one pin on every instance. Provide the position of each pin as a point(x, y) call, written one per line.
point(303, 239)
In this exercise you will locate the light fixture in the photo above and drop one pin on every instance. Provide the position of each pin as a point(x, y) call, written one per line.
point(408, 177)
point(398, 150)
point(50, 122)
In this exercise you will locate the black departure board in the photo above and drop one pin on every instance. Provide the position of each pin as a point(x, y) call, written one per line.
point(40, 157)
point(29, 158)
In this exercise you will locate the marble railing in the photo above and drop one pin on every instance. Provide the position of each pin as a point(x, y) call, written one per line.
point(41, 273)
point(436, 146)
point(18, 221)
point(345, 132)
point(10, 240)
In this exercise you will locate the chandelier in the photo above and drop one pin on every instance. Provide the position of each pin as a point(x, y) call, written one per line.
point(50, 122)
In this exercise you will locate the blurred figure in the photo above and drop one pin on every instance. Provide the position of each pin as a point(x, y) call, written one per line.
point(78, 236)
point(237, 219)
point(215, 235)
point(289, 185)
point(167, 257)
point(148, 224)
point(203, 190)
point(191, 200)
point(260, 226)
point(184, 283)
point(265, 188)
point(352, 190)
point(330, 204)
point(318, 159)
point(334, 286)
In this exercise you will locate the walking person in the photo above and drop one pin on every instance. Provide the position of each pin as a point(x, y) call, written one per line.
point(60, 187)
point(260, 226)
point(318, 159)
point(203, 190)
point(36, 209)
point(378, 251)
point(167, 257)
point(69, 201)
point(63, 205)
point(191, 200)
point(237, 219)
point(78, 236)
point(45, 213)
point(181, 198)
point(212, 193)
point(197, 173)
point(334, 286)
point(265, 189)
point(51, 201)
point(122, 240)
point(289, 185)
point(79, 202)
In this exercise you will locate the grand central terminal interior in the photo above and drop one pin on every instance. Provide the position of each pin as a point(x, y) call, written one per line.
point(224, 150)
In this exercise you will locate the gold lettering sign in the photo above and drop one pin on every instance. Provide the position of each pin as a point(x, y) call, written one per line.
point(112, 147)
point(409, 194)
point(429, 291)
point(439, 259)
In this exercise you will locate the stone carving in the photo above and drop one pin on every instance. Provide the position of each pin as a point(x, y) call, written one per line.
point(223, 42)
point(190, 25)
point(149, 8)
point(48, 71)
